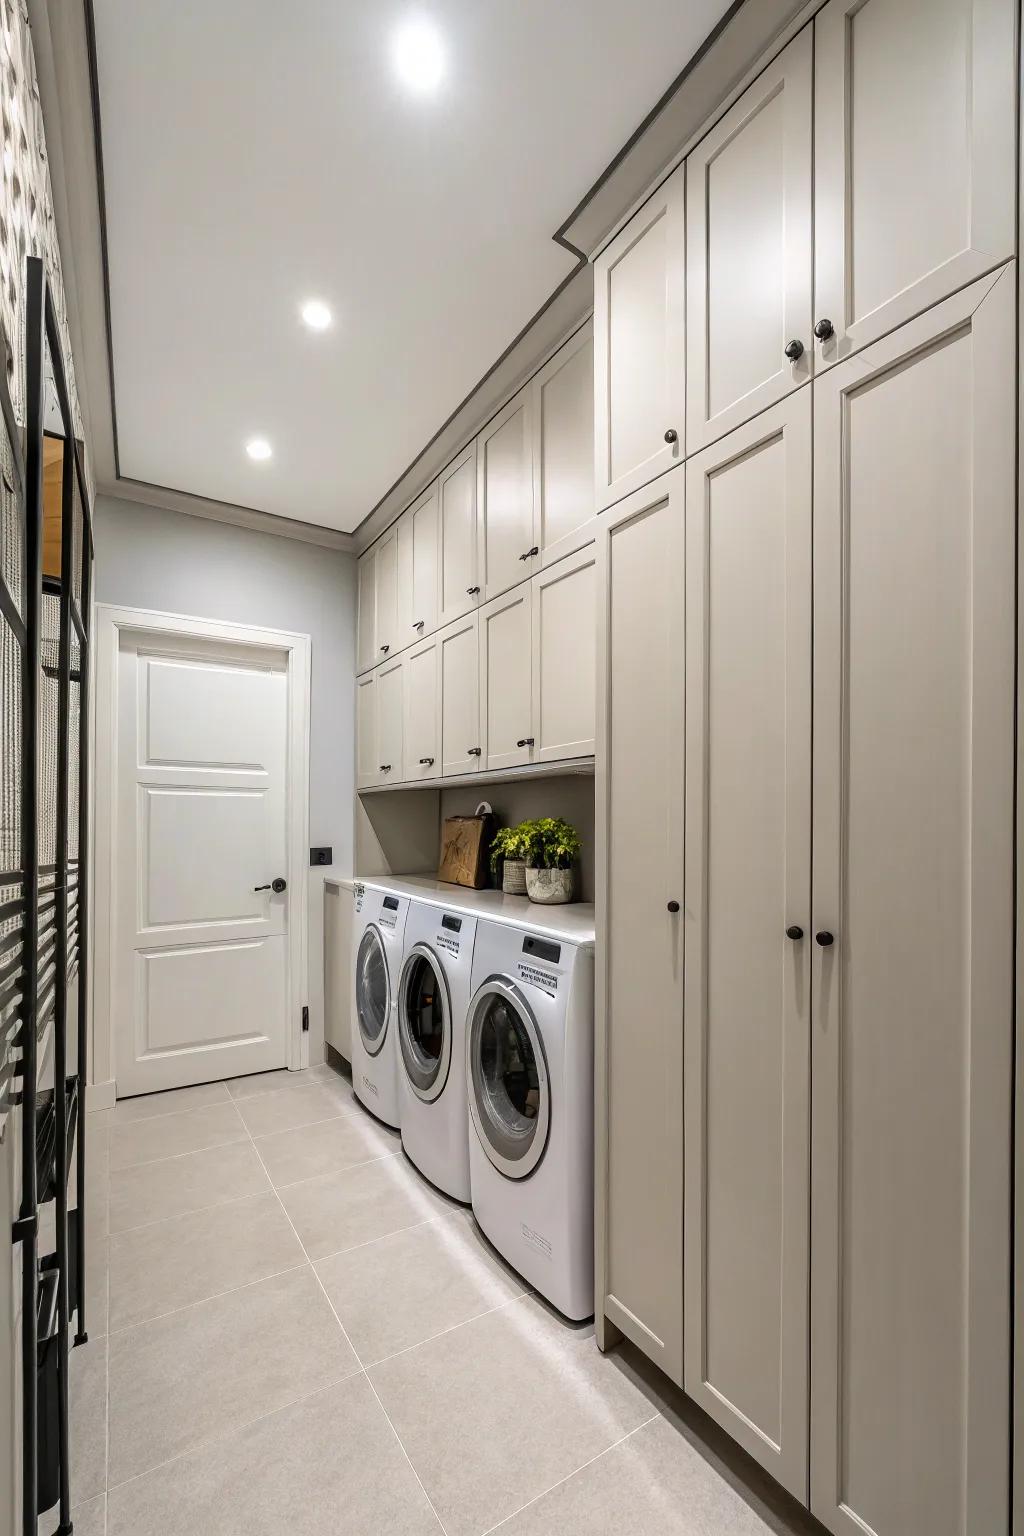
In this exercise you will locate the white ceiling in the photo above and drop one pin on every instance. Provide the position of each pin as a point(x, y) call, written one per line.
point(257, 153)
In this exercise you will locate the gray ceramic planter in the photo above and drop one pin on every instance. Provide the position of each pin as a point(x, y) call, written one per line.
point(549, 887)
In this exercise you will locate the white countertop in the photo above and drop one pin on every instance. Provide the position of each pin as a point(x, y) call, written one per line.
point(573, 922)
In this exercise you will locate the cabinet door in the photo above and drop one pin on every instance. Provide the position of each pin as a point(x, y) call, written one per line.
point(504, 450)
point(914, 156)
point(564, 658)
point(506, 699)
point(461, 749)
point(748, 874)
point(389, 721)
point(639, 347)
point(386, 590)
point(366, 645)
point(563, 461)
point(748, 261)
point(418, 569)
point(639, 975)
point(912, 1002)
point(422, 712)
point(366, 731)
point(459, 580)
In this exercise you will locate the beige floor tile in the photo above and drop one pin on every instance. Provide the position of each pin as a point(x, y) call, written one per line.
point(97, 1285)
point(176, 1185)
point(328, 1465)
point(413, 1285)
point(149, 1105)
point(497, 1411)
point(290, 1107)
point(178, 1381)
point(269, 1082)
point(88, 1410)
point(90, 1518)
point(325, 1147)
point(174, 1263)
point(145, 1141)
point(342, 1210)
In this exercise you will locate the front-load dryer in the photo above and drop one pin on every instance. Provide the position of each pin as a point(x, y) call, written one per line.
point(530, 1081)
point(378, 939)
point(434, 990)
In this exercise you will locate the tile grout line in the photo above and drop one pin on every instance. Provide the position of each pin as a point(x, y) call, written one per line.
point(215, 1146)
point(143, 1322)
point(454, 1328)
point(355, 1353)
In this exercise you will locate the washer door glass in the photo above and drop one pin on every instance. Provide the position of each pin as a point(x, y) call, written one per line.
point(373, 995)
point(509, 1094)
point(424, 1023)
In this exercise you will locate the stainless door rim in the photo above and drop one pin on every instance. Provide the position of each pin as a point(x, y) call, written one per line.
point(427, 1084)
point(522, 1165)
point(373, 1047)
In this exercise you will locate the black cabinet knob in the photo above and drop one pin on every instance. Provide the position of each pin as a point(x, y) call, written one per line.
point(385, 649)
point(472, 591)
point(671, 436)
point(385, 768)
point(824, 938)
point(530, 553)
point(525, 741)
point(419, 623)
point(795, 351)
point(824, 329)
point(474, 751)
point(426, 762)
point(673, 906)
point(794, 932)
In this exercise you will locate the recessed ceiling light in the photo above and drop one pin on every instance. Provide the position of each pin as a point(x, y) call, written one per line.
point(258, 448)
point(316, 314)
point(418, 55)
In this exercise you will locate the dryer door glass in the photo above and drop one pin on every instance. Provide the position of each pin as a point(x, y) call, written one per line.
point(510, 1099)
point(373, 999)
point(424, 1020)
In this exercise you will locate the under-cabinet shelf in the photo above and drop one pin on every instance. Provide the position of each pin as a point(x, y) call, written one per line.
point(582, 767)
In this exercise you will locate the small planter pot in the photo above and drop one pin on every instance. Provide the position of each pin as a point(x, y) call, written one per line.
point(513, 877)
point(549, 887)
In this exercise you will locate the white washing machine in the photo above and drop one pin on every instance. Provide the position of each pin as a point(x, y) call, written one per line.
point(378, 942)
point(434, 990)
point(530, 1081)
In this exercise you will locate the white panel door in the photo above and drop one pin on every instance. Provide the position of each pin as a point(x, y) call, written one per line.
point(564, 606)
point(418, 569)
point(390, 707)
point(458, 574)
point(461, 748)
point(421, 733)
point(200, 969)
point(386, 637)
point(563, 462)
point(506, 697)
point(748, 888)
point(748, 251)
point(912, 976)
point(507, 543)
point(640, 346)
point(914, 158)
point(366, 731)
point(366, 643)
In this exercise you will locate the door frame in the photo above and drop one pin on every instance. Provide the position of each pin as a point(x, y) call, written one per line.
point(109, 620)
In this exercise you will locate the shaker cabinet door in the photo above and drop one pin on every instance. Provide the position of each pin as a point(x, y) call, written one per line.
point(387, 639)
point(505, 684)
point(564, 604)
point(508, 548)
point(421, 721)
point(458, 574)
point(366, 633)
point(461, 747)
point(563, 465)
point(418, 569)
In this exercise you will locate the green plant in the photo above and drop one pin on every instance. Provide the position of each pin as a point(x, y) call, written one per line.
point(551, 843)
point(508, 843)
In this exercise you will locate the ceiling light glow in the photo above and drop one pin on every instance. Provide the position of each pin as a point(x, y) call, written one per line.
point(316, 314)
point(258, 448)
point(418, 55)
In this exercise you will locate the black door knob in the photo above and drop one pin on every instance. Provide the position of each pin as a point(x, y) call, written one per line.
point(673, 906)
point(795, 351)
point(824, 329)
point(794, 932)
point(671, 436)
point(824, 938)
point(277, 886)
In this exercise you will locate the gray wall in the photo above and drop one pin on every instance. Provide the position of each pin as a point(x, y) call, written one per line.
point(147, 557)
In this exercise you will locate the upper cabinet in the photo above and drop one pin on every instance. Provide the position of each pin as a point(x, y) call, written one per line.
point(459, 581)
point(508, 546)
point(914, 158)
point(563, 464)
point(639, 346)
point(366, 648)
point(418, 568)
point(749, 253)
point(385, 585)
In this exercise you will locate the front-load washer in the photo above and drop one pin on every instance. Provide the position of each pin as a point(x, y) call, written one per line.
point(434, 990)
point(378, 940)
point(530, 1082)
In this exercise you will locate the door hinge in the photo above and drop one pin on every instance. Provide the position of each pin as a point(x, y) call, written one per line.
point(305, 1020)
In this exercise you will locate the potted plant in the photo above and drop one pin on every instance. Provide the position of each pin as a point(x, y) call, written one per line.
point(553, 846)
point(508, 848)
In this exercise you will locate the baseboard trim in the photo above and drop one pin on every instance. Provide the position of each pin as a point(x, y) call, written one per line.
point(100, 1095)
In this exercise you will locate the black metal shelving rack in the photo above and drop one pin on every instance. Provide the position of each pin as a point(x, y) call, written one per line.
point(44, 670)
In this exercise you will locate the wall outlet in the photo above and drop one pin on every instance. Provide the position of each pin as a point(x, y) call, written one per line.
point(321, 856)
